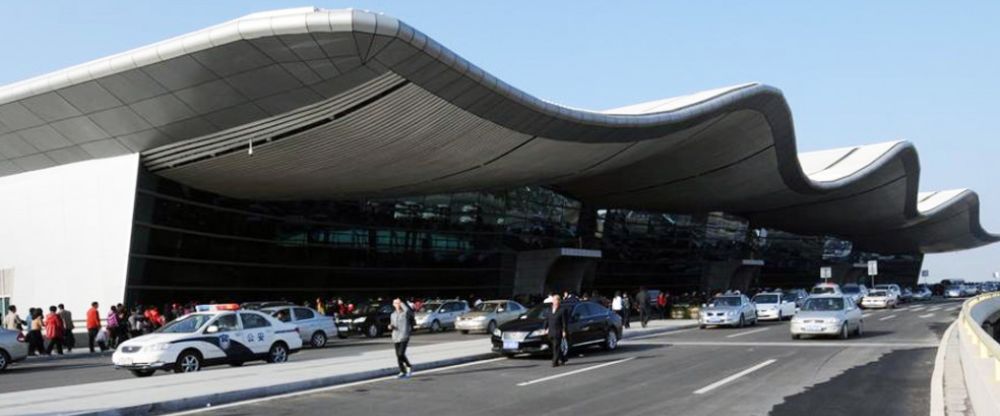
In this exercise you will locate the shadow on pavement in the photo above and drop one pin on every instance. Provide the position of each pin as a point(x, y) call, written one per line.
point(896, 384)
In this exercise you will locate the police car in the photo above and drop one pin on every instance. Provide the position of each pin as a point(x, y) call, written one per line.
point(214, 334)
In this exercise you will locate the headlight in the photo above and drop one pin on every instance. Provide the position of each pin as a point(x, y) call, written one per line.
point(731, 313)
point(539, 332)
point(156, 347)
point(497, 332)
point(478, 318)
point(360, 320)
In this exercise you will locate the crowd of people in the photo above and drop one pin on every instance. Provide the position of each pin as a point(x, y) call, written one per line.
point(55, 331)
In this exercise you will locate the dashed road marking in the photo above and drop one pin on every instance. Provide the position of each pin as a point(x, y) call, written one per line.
point(569, 373)
point(918, 309)
point(733, 377)
point(886, 317)
point(865, 315)
point(755, 331)
point(934, 309)
point(927, 315)
point(954, 308)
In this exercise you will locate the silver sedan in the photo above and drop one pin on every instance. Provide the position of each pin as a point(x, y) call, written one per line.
point(487, 316)
point(314, 327)
point(728, 310)
point(835, 315)
point(13, 347)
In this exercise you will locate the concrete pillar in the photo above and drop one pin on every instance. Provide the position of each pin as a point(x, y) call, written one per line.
point(559, 269)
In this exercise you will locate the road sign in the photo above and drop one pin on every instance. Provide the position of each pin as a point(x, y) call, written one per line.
point(872, 267)
point(825, 272)
point(925, 273)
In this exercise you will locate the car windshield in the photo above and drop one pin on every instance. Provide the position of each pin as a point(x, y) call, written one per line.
point(367, 309)
point(850, 290)
point(765, 299)
point(429, 307)
point(725, 301)
point(823, 290)
point(823, 304)
point(187, 324)
point(487, 307)
point(877, 293)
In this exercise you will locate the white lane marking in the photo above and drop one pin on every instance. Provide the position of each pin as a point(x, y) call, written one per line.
point(329, 388)
point(954, 308)
point(679, 331)
point(887, 317)
point(804, 343)
point(561, 375)
point(865, 315)
point(747, 333)
point(918, 309)
point(927, 315)
point(934, 309)
point(729, 379)
point(904, 308)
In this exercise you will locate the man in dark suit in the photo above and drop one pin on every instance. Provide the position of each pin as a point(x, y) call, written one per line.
point(557, 323)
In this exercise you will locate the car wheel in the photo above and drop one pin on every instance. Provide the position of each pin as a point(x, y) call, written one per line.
point(142, 373)
point(318, 340)
point(611, 340)
point(4, 360)
point(702, 326)
point(861, 328)
point(188, 362)
point(464, 332)
point(236, 364)
point(795, 336)
point(341, 335)
point(844, 334)
point(372, 331)
point(491, 327)
point(508, 355)
point(435, 326)
point(781, 316)
point(742, 322)
point(278, 353)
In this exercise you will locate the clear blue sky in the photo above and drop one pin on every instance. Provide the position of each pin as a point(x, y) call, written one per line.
point(853, 72)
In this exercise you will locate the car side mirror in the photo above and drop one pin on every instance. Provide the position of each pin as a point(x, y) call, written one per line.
point(212, 329)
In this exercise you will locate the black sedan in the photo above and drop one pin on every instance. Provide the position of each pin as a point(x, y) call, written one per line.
point(589, 324)
point(371, 320)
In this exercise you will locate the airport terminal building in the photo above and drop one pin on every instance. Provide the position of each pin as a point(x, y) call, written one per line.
point(311, 152)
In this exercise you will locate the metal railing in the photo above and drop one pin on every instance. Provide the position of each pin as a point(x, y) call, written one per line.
point(975, 311)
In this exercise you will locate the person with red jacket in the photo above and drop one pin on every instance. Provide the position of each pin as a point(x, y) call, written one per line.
point(54, 331)
point(93, 324)
point(661, 303)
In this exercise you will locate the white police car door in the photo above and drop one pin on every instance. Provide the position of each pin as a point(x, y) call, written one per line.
point(230, 338)
point(257, 332)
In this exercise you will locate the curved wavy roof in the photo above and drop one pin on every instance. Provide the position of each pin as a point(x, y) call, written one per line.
point(348, 103)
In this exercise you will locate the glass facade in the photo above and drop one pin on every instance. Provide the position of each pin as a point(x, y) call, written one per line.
point(193, 245)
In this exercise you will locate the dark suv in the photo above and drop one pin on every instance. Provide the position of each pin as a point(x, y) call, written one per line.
point(589, 324)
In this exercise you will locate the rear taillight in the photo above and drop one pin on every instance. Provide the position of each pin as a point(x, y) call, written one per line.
point(20, 338)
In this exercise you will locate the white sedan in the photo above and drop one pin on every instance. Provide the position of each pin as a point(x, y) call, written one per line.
point(216, 334)
point(774, 306)
point(828, 315)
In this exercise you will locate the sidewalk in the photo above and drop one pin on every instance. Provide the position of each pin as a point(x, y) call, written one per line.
point(168, 393)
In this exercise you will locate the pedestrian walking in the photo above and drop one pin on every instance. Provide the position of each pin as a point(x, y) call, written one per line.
point(401, 324)
point(54, 331)
point(69, 341)
point(112, 325)
point(626, 309)
point(661, 303)
point(12, 321)
point(93, 324)
point(642, 302)
point(616, 305)
point(556, 322)
point(36, 345)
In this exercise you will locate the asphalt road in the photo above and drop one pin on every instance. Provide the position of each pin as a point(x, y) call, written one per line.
point(35, 373)
point(750, 371)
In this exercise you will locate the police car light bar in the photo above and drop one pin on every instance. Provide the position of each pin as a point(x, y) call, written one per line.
point(218, 307)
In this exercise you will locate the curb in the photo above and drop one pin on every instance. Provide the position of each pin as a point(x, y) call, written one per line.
point(209, 400)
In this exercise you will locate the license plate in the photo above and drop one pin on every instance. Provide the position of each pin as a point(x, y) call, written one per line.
point(343, 329)
point(714, 320)
point(511, 345)
point(813, 328)
point(125, 361)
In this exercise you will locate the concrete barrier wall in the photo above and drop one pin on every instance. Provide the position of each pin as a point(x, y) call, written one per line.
point(980, 354)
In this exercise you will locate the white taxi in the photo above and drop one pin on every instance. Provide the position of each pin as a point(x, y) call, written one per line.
point(214, 334)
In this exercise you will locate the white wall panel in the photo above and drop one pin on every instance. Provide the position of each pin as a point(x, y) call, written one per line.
point(66, 232)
